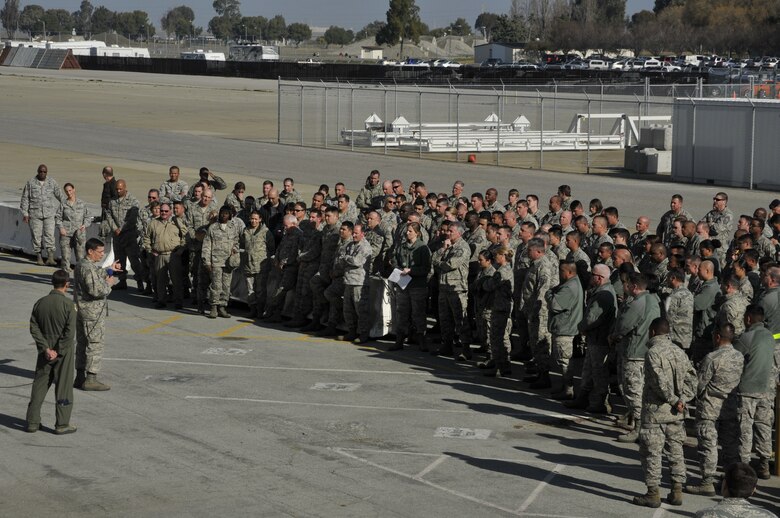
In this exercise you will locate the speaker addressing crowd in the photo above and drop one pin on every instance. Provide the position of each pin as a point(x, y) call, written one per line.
point(685, 317)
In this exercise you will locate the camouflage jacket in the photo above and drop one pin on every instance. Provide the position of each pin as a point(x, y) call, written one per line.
point(174, 191)
point(197, 219)
point(719, 375)
point(124, 214)
point(477, 242)
point(734, 508)
point(259, 246)
point(41, 200)
point(721, 225)
point(289, 248)
point(90, 289)
point(501, 286)
point(453, 265)
point(669, 378)
point(328, 249)
point(219, 244)
point(356, 261)
point(679, 313)
point(733, 311)
point(72, 217)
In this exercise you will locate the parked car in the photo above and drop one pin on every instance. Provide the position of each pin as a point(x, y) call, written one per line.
point(669, 67)
point(618, 65)
point(597, 64)
point(523, 65)
point(492, 62)
point(651, 64)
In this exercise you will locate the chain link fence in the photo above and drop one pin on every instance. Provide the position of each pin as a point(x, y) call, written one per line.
point(571, 128)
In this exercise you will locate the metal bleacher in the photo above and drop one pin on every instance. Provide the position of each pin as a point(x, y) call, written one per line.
point(29, 57)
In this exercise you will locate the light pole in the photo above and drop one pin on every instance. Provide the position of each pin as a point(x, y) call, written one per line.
point(44, 30)
point(245, 37)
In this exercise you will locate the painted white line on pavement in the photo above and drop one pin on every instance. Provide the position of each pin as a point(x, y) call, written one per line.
point(538, 489)
point(305, 369)
point(432, 466)
point(442, 488)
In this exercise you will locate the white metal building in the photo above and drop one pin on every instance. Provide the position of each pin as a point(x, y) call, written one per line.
point(506, 52)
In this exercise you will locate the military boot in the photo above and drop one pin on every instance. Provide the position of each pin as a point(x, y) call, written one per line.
point(465, 353)
point(65, 264)
point(566, 393)
point(580, 402)
point(650, 499)
point(762, 469)
point(39, 259)
point(706, 488)
point(543, 382)
point(328, 332)
point(81, 376)
point(444, 350)
point(222, 312)
point(675, 495)
point(422, 342)
point(631, 436)
point(603, 408)
point(50, 261)
point(399, 343)
point(65, 429)
point(626, 421)
point(92, 383)
point(213, 312)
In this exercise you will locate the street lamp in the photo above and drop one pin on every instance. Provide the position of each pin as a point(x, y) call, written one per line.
point(44, 30)
point(245, 37)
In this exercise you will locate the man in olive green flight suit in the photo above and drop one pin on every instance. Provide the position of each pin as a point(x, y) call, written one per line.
point(53, 327)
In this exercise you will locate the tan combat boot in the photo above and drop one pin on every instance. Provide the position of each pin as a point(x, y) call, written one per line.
point(213, 312)
point(675, 495)
point(50, 258)
point(706, 488)
point(39, 259)
point(93, 384)
point(650, 499)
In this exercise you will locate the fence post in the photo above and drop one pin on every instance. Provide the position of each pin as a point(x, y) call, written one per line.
point(279, 110)
point(541, 135)
point(302, 96)
point(693, 143)
point(587, 164)
point(338, 107)
point(419, 118)
point(384, 118)
point(752, 142)
point(555, 104)
point(326, 115)
point(498, 131)
point(457, 127)
point(352, 117)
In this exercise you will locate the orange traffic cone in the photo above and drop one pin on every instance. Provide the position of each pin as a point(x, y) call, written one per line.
point(472, 159)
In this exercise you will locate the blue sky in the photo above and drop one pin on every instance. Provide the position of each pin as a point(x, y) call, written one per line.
point(351, 14)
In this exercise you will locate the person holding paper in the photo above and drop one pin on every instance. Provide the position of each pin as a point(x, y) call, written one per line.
point(413, 260)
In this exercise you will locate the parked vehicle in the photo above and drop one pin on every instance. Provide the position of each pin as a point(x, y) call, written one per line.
point(651, 64)
point(597, 64)
point(492, 62)
point(668, 67)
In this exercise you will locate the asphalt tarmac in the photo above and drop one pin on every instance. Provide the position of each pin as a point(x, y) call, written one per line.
point(228, 417)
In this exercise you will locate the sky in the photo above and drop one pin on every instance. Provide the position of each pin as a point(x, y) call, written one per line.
point(350, 14)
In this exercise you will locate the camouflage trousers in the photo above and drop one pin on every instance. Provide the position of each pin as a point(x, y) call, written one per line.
point(562, 350)
point(755, 416)
point(319, 283)
point(539, 339)
point(410, 310)
point(90, 343)
point(483, 326)
point(334, 293)
point(357, 309)
point(595, 373)
point(452, 316)
point(653, 440)
point(256, 285)
point(304, 302)
point(499, 329)
point(219, 287)
point(204, 281)
point(631, 374)
point(73, 244)
point(709, 433)
point(42, 232)
point(519, 337)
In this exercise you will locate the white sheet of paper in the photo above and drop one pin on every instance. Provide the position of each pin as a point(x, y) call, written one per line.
point(401, 280)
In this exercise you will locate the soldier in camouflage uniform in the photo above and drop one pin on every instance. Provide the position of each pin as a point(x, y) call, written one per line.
point(501, 286)
point(199, 217)
point(732, 308)
point(125, 223)
point(565, 306)
point(483, 304)
point(372, 189)
point(716, 407)
point(630, 336)
point(288, 193)
point(41, 198)
point(542, 275)
point(376, 237)
point(596, 324)
point(600, 236)
point(308, 265)
point(284, 273)
point(173, 189)
point(356, 261)
point(756, 390)
point(220, 245)
point(347, 210)
point(72, 218)
point(666, 224)
point(678, 309)
point(670, 382)
point(720, 219)
point(163, 238)
point(413, 258)
point(91, 286)
point(334, 293)
point(329, 238)
point(452, 262)
point(704, 311)
point(258, 247)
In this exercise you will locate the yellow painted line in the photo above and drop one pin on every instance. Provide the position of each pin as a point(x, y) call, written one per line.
point(230, 330)
point(164, 323)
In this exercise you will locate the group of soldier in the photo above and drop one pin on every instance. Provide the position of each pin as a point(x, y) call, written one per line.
point(690, 312)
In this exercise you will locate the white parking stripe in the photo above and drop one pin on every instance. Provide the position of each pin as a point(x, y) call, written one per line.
point(538, 489)
point(433, 465)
